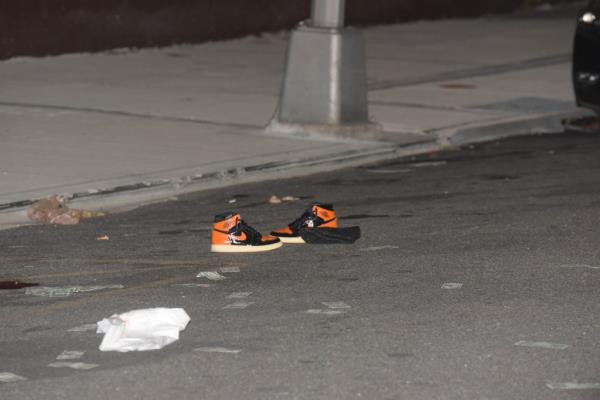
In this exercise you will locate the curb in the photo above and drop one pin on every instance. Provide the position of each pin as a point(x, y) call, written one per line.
point(127, 197)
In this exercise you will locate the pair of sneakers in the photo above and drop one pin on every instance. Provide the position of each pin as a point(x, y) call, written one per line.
point(318, 224)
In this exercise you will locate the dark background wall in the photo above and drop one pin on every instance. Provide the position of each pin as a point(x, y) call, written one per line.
point(45, 27)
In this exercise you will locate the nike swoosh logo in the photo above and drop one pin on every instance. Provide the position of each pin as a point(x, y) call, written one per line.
point(236, 239)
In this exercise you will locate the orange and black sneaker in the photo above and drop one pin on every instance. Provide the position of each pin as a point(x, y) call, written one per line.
point(231, 234)
point(318, 216)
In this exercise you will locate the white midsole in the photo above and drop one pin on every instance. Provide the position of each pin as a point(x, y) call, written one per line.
point(296, 239)
point(232, 248)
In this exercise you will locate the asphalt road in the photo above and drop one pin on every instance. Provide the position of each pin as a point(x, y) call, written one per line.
point(515, 223)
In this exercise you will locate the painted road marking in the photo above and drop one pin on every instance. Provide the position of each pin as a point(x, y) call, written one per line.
point(74, 365)
point(238, 305)
point(218, 350)
point(452, 285)
point(84, 328)
point(377, 248)
point(572, 385)
point(335, 305)
point(211, 275)
point(543, 345)
point(239, 295)
point(8, 377)
point(70, 355)
point(324, 312)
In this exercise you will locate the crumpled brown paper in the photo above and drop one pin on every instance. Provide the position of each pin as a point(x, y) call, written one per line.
point(53, 211)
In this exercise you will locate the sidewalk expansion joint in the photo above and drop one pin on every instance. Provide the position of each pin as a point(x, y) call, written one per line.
point(476, 72)
point(127, 114)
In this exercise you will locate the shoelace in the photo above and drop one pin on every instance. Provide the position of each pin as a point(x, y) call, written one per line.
point(299, 222)
point(244, 227)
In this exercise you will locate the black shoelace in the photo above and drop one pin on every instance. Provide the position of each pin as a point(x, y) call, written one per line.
point(300, 222)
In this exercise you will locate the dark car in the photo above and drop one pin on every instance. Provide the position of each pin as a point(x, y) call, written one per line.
point(586, 57)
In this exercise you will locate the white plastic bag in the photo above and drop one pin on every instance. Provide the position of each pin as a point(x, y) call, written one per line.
point(146, 329)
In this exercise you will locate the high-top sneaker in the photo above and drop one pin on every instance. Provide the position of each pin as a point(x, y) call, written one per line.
point(317, 216)
point(231, 234)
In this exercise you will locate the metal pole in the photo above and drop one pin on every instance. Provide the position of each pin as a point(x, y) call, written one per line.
point(328, 13)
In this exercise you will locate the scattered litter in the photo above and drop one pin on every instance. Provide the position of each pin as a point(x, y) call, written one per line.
point(70, 355)
point(275, 200)
point(572, 385)
point(84, 328)
point(211, 275)
point(335, 305)
point(324, 312)
point(218, 350)
point(66, 291)
point(9, 377)
point(452, 285)
point(226, 270)
point(388, 170)
point(543, 345)
point(579, 266)
point(232, 201)
point(145, 329)
point(12, 285)
point(74, 365)
point(290, 198)
point(204, 285)
point(239, 295)
point(377, 248)
point(428, 164)
point(238, 305)
point(103, 237)
point(53, 210)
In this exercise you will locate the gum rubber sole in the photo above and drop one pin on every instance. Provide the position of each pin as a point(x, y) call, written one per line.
point(232, 248)
point(296, 239)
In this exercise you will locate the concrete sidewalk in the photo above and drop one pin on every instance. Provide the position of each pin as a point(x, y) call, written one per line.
point(122, 128)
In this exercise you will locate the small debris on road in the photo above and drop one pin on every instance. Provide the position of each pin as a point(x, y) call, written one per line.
point(211, 275)
point(53, 210)
point(239, 295)
point(238, 305)
point(324, 312)
point(70, 355)
point(572, 386)
point(9, 377)
point(65, 291)
point(377, 248)
point(290, 198)
point(334, 305)
point(275, 200)
point(452, 285)
point(103, 237)
point(189, 285)
point(218, 350)
point(226, 270)
point(579, 266)
point(73, 365)
point(543, 345)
